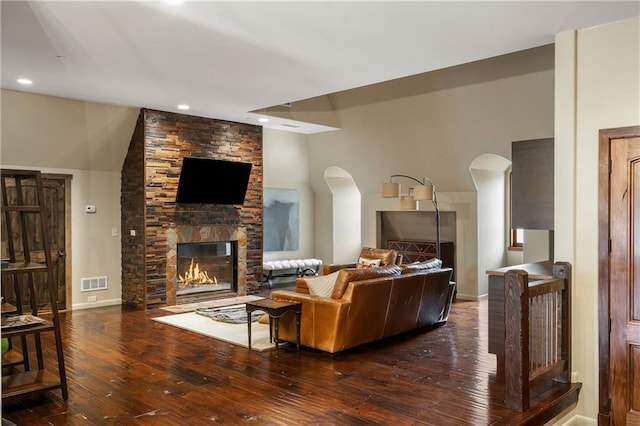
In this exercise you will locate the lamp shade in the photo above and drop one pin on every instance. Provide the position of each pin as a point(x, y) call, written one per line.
point(423, 192)
point(390, 190)
point(407, 202)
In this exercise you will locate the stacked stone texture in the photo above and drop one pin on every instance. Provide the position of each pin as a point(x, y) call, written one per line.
point(149, 184)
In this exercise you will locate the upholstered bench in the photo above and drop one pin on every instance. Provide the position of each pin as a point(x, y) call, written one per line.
point(289, 268)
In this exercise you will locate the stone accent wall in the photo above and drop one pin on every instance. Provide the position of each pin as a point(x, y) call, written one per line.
point(150, 181)
point(132, 218)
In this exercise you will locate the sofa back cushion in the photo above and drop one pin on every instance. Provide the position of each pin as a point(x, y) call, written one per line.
point(386, 256)
point(347, 275)
point(427, 265)
point(404, 304)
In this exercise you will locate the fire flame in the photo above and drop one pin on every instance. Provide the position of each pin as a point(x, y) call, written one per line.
point(194, 276)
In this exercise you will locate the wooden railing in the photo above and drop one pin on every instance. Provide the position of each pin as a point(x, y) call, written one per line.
point(537, 334)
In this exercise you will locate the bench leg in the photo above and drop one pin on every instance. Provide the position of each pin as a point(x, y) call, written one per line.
point(268, 278)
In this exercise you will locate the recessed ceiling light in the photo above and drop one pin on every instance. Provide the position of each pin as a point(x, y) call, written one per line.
point(25, 81)
point(183, 107)
point(263, 120)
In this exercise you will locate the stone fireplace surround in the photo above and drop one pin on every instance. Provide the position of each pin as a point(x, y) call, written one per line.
point(202, 234)
point(150, 216)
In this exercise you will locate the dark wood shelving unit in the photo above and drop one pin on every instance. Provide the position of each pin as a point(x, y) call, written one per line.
point(25, 226)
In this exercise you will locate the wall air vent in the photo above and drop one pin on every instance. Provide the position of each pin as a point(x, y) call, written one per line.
point(289, 125)
point(93, 283)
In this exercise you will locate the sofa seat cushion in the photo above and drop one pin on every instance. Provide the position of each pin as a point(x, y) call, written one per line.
point(347, 275)
point(322, 285)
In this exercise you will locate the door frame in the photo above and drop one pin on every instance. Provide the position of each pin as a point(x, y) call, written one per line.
point(607, 138)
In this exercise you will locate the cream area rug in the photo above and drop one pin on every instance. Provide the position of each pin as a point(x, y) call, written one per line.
point(236, 334)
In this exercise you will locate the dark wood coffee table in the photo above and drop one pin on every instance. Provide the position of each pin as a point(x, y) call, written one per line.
point(276, 309)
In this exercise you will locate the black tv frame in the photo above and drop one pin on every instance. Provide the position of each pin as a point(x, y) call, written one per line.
point(213, 181)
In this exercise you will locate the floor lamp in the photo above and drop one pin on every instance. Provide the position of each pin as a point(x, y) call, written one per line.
point(423, 191)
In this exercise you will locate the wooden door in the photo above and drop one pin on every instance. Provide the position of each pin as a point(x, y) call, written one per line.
point(620, 309)
point(56, 195)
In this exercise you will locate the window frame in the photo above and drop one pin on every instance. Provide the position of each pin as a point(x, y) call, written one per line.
point(515, 244)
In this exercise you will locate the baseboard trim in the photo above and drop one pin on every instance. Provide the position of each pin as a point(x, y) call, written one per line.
point(471, 297)
point(99, 304)
point(577, 420)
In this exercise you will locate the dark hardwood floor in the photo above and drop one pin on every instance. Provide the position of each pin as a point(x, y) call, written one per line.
point(123, 368)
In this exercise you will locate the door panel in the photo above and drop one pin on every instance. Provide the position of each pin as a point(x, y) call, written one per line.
point(55, 199)
point(624, 281)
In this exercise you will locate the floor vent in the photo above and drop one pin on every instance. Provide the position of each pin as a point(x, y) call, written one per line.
point(93, 283)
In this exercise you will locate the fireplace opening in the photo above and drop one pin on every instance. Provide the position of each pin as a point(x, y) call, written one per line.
point(206, 267)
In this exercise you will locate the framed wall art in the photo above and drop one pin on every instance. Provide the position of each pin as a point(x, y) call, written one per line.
point(281, 219)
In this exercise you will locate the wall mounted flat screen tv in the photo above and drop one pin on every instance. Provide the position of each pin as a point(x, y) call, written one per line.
point(209, 181)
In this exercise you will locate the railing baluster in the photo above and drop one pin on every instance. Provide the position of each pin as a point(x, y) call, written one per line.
point(537, 333)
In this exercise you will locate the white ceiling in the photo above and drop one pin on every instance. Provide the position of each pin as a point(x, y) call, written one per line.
point(226, 59)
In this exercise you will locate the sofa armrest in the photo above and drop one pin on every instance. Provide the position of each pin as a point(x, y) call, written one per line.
point(301, 286)
point(451, 291)
point(325, 304)
point(291, 296)
point(322, 322)
point(328, 269)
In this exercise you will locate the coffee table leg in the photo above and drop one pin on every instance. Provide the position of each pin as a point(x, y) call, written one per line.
point(298, 331)
point(276, 326)
point(249, 327)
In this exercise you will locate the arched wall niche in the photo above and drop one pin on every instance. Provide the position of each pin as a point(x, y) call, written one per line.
point(490, 175)
point(346, 213)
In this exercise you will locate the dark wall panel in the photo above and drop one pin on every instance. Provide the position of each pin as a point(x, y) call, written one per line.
point(532, 184)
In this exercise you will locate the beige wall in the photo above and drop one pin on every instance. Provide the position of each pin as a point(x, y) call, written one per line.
point(285, 165)
point(94, 251)
point(88, 141)
point(435, 125)
point(597, 87)
point(62, 133)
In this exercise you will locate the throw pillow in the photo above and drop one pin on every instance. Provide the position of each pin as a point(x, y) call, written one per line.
point(386, 256)
point(322, 285)
point(364, 263)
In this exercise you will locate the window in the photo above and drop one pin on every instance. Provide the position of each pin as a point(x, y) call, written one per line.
point(516, 236)
point(516, 239)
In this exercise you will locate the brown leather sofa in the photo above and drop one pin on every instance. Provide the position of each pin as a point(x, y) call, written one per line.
point(367, 305)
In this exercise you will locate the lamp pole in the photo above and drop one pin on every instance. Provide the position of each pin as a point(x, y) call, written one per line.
point(434, 201)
